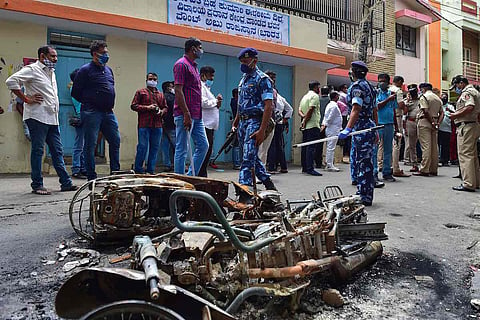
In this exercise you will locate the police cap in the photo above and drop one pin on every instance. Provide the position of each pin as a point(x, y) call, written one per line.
point(412, 86)
point(248, 53)
point(456, 80)
point(425, 85)
point(360, 65)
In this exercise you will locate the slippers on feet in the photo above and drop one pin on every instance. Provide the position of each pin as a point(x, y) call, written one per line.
point(42, 191)
point(70, 188)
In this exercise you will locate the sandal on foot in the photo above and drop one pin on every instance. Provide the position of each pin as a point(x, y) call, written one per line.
point(42, 191)
point(70, 188)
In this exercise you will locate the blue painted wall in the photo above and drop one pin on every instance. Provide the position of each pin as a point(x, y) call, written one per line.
point(161, 59)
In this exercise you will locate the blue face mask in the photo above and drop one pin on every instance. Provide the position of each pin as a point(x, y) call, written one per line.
point(198, 53)
point(103, 59)
point(209, 83)
point(458, 90)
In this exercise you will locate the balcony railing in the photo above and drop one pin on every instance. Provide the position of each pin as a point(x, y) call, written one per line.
point(471, 70)
point(343, 17)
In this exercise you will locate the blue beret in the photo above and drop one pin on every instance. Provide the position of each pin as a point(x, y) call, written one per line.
point(360, 65)
point(247, 53)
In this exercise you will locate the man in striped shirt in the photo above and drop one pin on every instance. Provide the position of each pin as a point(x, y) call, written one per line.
point(187, 110)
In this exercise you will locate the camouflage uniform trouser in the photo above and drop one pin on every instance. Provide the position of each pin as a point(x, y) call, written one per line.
point(250, 153)
point(361, 163)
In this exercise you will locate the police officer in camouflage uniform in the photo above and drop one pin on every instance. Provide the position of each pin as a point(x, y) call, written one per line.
point(255, 96)
point(361, 100)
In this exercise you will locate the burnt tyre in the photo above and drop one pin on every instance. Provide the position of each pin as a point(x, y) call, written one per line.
point(133, 310)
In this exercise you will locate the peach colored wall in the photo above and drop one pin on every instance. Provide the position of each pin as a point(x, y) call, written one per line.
point(471, 41)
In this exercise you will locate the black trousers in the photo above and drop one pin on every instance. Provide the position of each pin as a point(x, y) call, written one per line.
point(444, 146)
point(206, 161)
point(276, 152)
point(308, 152)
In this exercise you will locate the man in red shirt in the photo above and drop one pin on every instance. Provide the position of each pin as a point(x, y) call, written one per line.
point(150, 104)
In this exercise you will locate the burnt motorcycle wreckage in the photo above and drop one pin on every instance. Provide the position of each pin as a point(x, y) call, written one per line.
point(214, 264)
point(115, 208)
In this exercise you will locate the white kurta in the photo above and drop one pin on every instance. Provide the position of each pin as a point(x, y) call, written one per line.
point(210, 112)
point(333, 123)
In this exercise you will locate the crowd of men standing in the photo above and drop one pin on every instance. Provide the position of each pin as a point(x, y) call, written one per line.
point(186, 110)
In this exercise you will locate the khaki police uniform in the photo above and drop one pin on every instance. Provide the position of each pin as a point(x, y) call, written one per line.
point(397, 142)
point(411, 129)
point(427, 134)
point(468, 132)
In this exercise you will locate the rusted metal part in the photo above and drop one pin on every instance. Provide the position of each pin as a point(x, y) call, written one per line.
point(302, 269)
point(344, 268)
point(120, 259)
point(218, 189)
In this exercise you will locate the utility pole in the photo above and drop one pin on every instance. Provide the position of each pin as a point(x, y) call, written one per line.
point(365, 29)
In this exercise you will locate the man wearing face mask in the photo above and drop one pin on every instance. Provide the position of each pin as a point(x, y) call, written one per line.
point(412, 105)
point(255, 95)
point(40, 112)
point(361, 100)
point(210, 112)
point(94, 87)
point(187, 110)
point(428, 119)
point(150, 105)
point(468, 132)
point(386, 104)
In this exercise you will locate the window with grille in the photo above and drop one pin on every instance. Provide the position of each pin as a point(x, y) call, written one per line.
point(406, 40)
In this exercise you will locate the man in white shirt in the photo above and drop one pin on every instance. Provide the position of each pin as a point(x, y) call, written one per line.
point(276, 154)
point(41, 115)
point(332, 122)
point(210, 112)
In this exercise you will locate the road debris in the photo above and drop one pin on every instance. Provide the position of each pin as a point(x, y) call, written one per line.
point(333, 298)
point(472, 244)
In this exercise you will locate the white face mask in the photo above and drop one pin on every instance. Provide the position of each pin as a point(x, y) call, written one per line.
point(172, 91)
point(152, 83)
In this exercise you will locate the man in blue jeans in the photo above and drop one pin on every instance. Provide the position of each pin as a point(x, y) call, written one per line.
point(150, 105)
point(41, 115)
point(94, 88)
point(78, 157)
point(386, 104)
point(187, 110)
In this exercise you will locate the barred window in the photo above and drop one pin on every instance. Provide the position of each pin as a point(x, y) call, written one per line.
point(406, 40)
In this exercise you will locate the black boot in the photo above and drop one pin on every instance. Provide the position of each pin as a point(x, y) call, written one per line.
point(269, 184)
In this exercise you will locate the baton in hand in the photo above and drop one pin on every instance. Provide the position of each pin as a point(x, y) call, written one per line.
point(354, 133)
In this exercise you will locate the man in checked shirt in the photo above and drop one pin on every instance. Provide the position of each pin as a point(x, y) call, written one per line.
point(187, 110)
point(150, 104)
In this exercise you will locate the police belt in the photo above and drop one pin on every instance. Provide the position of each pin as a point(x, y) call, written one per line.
point(461, 123)
point(251, 116)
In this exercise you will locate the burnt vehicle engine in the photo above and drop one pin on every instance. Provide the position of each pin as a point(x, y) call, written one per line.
point(189, 236)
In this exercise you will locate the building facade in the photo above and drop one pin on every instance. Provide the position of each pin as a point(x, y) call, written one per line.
point(140, 40)
point(460, 30)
